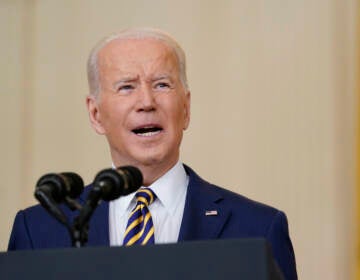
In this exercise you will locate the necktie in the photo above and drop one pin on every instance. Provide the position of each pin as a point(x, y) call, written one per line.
point(140, 227)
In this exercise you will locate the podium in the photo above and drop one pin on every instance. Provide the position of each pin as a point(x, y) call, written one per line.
point(218, 259)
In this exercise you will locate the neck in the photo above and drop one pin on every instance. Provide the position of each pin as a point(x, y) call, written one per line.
point(150, 172)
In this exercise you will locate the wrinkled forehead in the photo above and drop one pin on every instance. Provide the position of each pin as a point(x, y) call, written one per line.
point(128, 53)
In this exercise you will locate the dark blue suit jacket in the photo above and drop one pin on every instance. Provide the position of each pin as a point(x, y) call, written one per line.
point(237, 217)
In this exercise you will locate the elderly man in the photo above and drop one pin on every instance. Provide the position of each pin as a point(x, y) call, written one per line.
point(140, 101)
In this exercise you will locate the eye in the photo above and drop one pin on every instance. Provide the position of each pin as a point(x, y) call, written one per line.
point(125, 88)
point(162, 85)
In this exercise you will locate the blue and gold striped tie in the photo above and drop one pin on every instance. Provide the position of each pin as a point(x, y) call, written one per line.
point(140, 227)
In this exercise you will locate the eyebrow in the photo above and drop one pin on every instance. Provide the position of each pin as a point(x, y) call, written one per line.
point(127, 79)
point(124, 80)
point(162, 77)
point(131, 79)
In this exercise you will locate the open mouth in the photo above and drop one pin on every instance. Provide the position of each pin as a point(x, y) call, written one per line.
point(147, 131)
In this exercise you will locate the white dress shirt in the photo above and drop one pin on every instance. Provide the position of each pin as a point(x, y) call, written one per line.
point(166, 211)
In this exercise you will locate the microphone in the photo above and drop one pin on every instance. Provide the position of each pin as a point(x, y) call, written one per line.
point(54, 188)
point(113, 183)
point(109, 184)
point(60, 185)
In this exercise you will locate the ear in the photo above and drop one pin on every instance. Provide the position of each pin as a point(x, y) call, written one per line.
point(92, 105)
point(187, 110)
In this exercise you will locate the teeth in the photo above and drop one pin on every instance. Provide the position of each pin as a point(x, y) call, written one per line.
point(147, 134)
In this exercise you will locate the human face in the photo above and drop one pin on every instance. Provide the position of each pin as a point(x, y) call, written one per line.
point(142, 108)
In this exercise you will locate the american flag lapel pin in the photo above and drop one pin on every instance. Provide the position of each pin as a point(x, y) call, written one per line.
point(211, 213)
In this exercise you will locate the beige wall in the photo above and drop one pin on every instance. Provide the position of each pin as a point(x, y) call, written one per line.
point(273, 105)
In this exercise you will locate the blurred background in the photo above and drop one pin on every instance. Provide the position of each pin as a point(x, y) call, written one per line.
point(275, 87)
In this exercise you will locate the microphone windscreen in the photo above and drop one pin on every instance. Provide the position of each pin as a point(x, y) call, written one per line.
point(74, 183)
point(60, 185)
point(135, 178)
point(52, 184)
point(113, 183)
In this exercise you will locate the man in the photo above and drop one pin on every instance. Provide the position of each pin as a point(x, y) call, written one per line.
point(140, 101)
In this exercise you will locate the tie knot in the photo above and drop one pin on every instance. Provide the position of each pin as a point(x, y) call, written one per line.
point(145, 195)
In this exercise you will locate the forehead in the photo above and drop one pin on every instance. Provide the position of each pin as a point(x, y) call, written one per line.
point(127, 54)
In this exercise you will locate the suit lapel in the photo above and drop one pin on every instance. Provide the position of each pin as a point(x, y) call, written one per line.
point(99, 226)
point(205, 212)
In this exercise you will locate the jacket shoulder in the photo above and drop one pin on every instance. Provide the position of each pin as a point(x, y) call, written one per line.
point(35, 228)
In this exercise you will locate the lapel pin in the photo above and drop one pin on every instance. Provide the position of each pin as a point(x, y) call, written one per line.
point(211, 213)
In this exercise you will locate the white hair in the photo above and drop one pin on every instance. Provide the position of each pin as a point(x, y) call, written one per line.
point(134, 33)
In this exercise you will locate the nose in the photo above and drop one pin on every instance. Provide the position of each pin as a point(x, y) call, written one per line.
point(146, 100)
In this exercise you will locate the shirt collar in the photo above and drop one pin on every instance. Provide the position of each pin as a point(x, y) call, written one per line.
point(169, 189)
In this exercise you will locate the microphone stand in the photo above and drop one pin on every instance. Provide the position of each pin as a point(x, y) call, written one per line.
point(80, 228)
point(79, 235)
